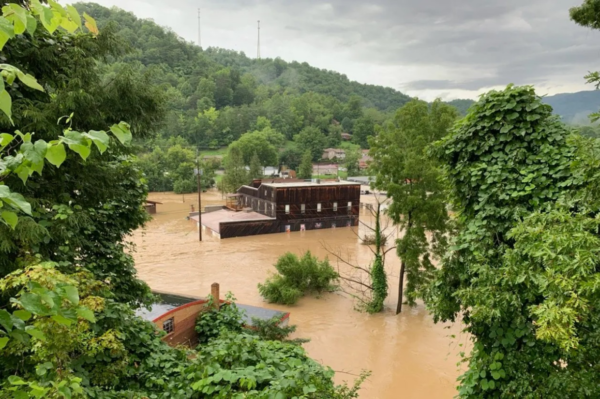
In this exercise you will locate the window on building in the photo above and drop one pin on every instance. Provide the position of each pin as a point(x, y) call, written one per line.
point(319, 207)
point(349, 206)
point(303, 208)
point(287, 209)
point(169, 325)
point(335, 206)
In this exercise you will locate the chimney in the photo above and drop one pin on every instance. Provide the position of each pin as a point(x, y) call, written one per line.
point(214, 291)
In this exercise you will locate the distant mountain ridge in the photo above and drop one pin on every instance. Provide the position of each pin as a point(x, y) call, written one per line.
point(573, 108)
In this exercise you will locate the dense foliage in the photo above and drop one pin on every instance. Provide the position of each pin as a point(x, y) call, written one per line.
point(212, 321)
point(523, 267)
point(69, 196)
point(412, 179)
point(297, 277)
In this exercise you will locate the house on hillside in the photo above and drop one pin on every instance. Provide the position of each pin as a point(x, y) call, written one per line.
point(325, 169)
point(286, 206)
point(346, 136)
point(365, 159)
point(331, 153)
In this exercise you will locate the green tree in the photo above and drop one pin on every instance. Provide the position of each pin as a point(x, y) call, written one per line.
point(351, 160)
point(236, 174)
point(256, 143)
point(522, 266)
point(305, 170)
point(588, 15)
point(291, 157)
point(364, 128)
point(412, 179)
point(311, 139)
point(256, 170)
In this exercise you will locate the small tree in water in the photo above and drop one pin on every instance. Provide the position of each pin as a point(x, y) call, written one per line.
point(412, 180)
point(298, 277)
point(235, 171)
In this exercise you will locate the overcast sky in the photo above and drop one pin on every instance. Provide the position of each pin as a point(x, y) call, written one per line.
point(425, 48)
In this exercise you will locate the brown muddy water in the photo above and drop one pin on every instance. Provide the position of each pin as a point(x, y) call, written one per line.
point(409, 356)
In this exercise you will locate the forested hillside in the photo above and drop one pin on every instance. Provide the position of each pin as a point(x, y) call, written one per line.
point(216, 95)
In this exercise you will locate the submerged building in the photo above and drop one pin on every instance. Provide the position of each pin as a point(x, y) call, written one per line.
point(277, 206)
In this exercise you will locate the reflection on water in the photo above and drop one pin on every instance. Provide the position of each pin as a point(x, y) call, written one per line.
point(409, 355)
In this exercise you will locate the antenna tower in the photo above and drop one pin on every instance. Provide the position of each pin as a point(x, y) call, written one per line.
point(199, 37)
point(258, 47)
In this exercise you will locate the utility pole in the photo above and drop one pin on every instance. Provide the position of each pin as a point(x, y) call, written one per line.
point(258, 47)
point(199, 37)
point(198, 173)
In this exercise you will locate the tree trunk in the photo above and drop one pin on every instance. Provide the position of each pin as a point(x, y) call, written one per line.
point(400, 288)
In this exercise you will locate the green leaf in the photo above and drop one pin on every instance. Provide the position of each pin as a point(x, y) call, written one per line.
point(6, 103)
point(33, 303)
point(18, 201)
point(29, 81)
point(74, 15)
point(62, 320)
point(82, 150)
point(87, 314)
point(6, 31)
point(71, 294)
point(34, 332)
point(122, 132)
point(56, 154)
point(10, 218)
point(22, 314)
point(100, 139)
point(20, 395)
point(6, 320)
point(3, 342)
point(49, 20)
point(5, 138)
point(14, 380)
point(23, 172)
point(18, 15)
point(31, 25)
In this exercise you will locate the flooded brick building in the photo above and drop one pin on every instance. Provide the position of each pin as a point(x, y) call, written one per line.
point(277, 207)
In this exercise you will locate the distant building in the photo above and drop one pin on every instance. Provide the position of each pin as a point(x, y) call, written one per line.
point(365, 159)
point(331, 153)
point(325, 169)
point(284, 207)
point(346, 136)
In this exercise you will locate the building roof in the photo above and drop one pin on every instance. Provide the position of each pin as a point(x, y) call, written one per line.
point(312, 184)
point(213, 219)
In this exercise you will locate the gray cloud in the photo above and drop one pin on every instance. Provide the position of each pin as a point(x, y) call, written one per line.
point(419, 46)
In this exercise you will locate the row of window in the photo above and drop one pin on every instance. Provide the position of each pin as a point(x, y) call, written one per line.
point(303, 207)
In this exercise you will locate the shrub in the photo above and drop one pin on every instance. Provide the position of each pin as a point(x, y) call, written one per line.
point(211, 322)
point(272, 330)
point(298, 277)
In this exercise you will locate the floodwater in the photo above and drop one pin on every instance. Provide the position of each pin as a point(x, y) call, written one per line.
point(409, 356)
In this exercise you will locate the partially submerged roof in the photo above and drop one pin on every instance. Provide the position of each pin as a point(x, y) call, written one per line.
point(312, 184)
point(153, 202)
point(212, 220)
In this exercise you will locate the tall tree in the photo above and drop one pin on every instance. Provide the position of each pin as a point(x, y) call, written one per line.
point(313, 140)
point(523, 267)
point(256, 143)
point(236, 174)
point(306, 169)
point(588, 15)
point(256, 170)
point(412, 179)
point(364, 128)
